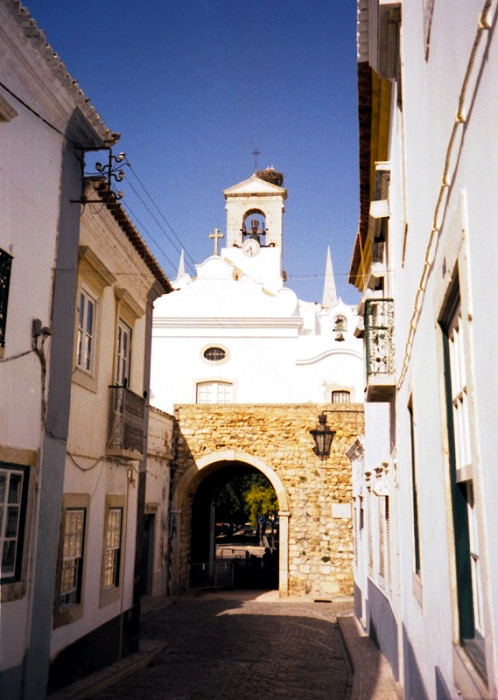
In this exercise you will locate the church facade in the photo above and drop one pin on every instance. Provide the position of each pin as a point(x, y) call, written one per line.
point(255, 367)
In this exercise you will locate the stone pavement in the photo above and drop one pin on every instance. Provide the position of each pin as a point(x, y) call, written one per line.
point(241, 645)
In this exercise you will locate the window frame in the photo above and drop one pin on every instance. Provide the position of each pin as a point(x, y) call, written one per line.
point(76, 559)
point(110, 592)
point(215, 384)
point(340, 393)
point(5, 275)
point(15, 575)
point(93, 278)
point(417, 560)
point(466, 548)
point(122, 378)
point(113, 535)
point(66, 613)
point(84, 298)
point(218, 353)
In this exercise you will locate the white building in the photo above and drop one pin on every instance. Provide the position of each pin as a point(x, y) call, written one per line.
point(424, 476)
point(113, 499)
point(76, 294)
point(236, 334)
point(46, 122)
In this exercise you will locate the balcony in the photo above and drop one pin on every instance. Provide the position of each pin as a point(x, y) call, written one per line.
point(126, 424)
point(379, 347)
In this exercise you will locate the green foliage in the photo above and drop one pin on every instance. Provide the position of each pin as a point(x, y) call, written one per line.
point(245, 497)
point(262, 500)
point(231, 505)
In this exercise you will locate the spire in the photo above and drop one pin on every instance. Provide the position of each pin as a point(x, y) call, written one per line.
point(329, 293)
point(181, 265)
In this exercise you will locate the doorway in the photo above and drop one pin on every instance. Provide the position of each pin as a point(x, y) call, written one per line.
point(147, 559)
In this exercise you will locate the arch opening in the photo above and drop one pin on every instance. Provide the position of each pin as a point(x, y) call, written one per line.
point(254, 226)
point(234, 529)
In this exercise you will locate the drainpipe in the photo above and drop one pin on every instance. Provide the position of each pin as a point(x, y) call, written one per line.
point(156, 291)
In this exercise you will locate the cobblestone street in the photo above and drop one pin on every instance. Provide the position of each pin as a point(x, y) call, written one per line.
point(241, 646)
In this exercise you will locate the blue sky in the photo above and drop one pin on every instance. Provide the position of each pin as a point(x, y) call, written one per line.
point(194, 86)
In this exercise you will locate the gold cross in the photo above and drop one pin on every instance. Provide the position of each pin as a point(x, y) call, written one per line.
point(216, 235)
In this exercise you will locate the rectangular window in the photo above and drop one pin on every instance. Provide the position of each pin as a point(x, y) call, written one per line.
point(459, 391)
point(342, 396)
point(416, 532)
point(214, 392)
point(384, 537)
point(469, 584)
point(86, 332)
point(112, 557)
point(72, 556)
point(5, 267)
point(370, 529)
point(13, 497)
point(123, 349)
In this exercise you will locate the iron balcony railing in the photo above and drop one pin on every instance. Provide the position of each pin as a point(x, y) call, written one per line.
point(379, 337)
point(126, 424)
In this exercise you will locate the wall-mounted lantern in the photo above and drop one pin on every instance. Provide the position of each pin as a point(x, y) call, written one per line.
point(323, 436)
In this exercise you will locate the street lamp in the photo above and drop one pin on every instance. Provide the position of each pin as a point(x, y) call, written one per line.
point(323, 436)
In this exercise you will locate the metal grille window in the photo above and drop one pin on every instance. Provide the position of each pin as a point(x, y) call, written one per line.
point(384, 539)
point(5, 267)
point(72, 556)
point(214, 354)
point(86, 332)
point(123, 349)
point(379, 335)
point(214, 392)
point(13, 493)
point(342, 396)
point(112, 557)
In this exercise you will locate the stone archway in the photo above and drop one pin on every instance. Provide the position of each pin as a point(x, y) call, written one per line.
point(317, 553)
point(181, 511)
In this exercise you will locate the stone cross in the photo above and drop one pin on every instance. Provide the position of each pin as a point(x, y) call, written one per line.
point(216, 235)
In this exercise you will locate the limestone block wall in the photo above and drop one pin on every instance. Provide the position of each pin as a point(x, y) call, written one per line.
point(317, 492)
point(157, 493)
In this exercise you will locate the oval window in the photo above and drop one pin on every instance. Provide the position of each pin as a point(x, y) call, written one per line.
point(214, 354)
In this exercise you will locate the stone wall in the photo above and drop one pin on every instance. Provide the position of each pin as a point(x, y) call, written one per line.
point(317, 491)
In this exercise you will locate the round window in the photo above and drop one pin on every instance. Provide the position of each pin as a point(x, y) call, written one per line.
point(214, 354)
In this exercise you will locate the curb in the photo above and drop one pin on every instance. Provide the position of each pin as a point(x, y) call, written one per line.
point(89, 686)
point(372, 673)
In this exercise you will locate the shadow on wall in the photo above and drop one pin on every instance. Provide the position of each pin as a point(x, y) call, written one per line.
point(413, 683)
point(382, 627)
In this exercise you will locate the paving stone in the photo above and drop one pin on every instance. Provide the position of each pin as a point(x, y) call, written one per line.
point(240, 646)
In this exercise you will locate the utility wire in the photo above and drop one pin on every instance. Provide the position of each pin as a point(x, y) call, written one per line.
point(179, 241)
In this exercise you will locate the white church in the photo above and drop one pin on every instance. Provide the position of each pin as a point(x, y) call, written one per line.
point(235, 333)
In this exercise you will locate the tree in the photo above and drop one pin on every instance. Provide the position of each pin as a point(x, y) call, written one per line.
point(245, 497)
point(261, 499)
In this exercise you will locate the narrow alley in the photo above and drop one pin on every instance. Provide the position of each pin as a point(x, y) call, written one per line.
point(241, 645)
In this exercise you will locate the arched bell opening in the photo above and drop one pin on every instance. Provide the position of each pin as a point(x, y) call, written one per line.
point(254, 226)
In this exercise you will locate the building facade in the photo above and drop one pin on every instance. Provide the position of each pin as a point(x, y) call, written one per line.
point(423, 476)
point(254, 367)
point(69, 313)
point(107, 514)
point(42, 112)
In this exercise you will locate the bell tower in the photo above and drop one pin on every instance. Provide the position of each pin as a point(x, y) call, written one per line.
point(255, 209)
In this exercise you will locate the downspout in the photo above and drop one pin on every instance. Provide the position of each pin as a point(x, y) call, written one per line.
point(156, 290)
